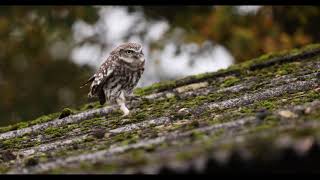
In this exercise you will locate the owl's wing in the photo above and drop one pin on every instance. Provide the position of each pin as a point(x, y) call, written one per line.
point(89, 81)
point(100, 78)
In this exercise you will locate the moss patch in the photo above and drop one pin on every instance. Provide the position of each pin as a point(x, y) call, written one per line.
point(65, 113)
point(229, 81)
point(42, 119)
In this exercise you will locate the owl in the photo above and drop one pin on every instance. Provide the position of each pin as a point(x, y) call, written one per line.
point(118, 75)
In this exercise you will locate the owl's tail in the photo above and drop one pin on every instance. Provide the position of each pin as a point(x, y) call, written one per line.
point(89, 81)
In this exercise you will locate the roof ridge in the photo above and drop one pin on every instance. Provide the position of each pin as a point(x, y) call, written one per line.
point(289, 56)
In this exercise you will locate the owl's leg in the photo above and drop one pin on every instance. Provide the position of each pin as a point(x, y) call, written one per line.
point(132, 97)
point(121, 101)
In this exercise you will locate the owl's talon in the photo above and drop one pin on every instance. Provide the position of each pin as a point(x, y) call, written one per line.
point(125, 110)
point(125, 115)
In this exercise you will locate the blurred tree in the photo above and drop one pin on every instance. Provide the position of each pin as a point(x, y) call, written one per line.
point(36, 76)
point(246, 36)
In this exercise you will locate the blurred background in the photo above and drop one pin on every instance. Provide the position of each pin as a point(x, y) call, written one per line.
point(47, 52)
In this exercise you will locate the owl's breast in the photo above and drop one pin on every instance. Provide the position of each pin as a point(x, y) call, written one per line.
point(123, 79)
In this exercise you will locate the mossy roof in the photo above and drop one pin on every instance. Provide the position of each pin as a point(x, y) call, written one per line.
point(258, 115)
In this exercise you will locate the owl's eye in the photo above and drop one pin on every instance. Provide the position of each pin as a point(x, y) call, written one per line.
point(129, 52)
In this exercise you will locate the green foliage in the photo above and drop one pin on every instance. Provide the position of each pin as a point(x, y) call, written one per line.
point(272, 28)
point(33, 79)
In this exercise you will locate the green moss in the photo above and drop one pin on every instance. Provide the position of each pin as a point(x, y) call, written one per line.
point(308, 96)
point(125, 138)
point(133, 138)
point(150, 110)
point(43, 157)
point(65, 113)
point(266, 57)
point(194, 124)
point(21, 125)
point(156, 87)
point(229, 81)
point(313, 94)
point(288, 68)
point(17, 142)
point(141, 116)
point(185, 156)
point(311, 46)
point(197, 135)
point(88, 106)
point(72, 126)
point(86, 167)
point(39, 120)
point(306, 132)
point(245, 110)
point(202, 76)
point(233, 114)
point(314, 116)
point(4, 168)
point(150, 148)
point(42, 119)
point(267, 104)
point(192, 102)
point(91, 122)
point(50, 130)
point(53, 132)
point(105, 168)
point(45, 118)
point(137, 156)
point(31, 161)
point(7, 128)
point(269, 122)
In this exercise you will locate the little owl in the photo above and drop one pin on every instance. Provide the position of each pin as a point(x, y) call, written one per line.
point(118, 75)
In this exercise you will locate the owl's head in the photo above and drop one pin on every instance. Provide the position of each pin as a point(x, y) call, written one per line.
point(130, 53)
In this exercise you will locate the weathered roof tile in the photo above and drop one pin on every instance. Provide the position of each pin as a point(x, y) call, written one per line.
point(259, 114)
